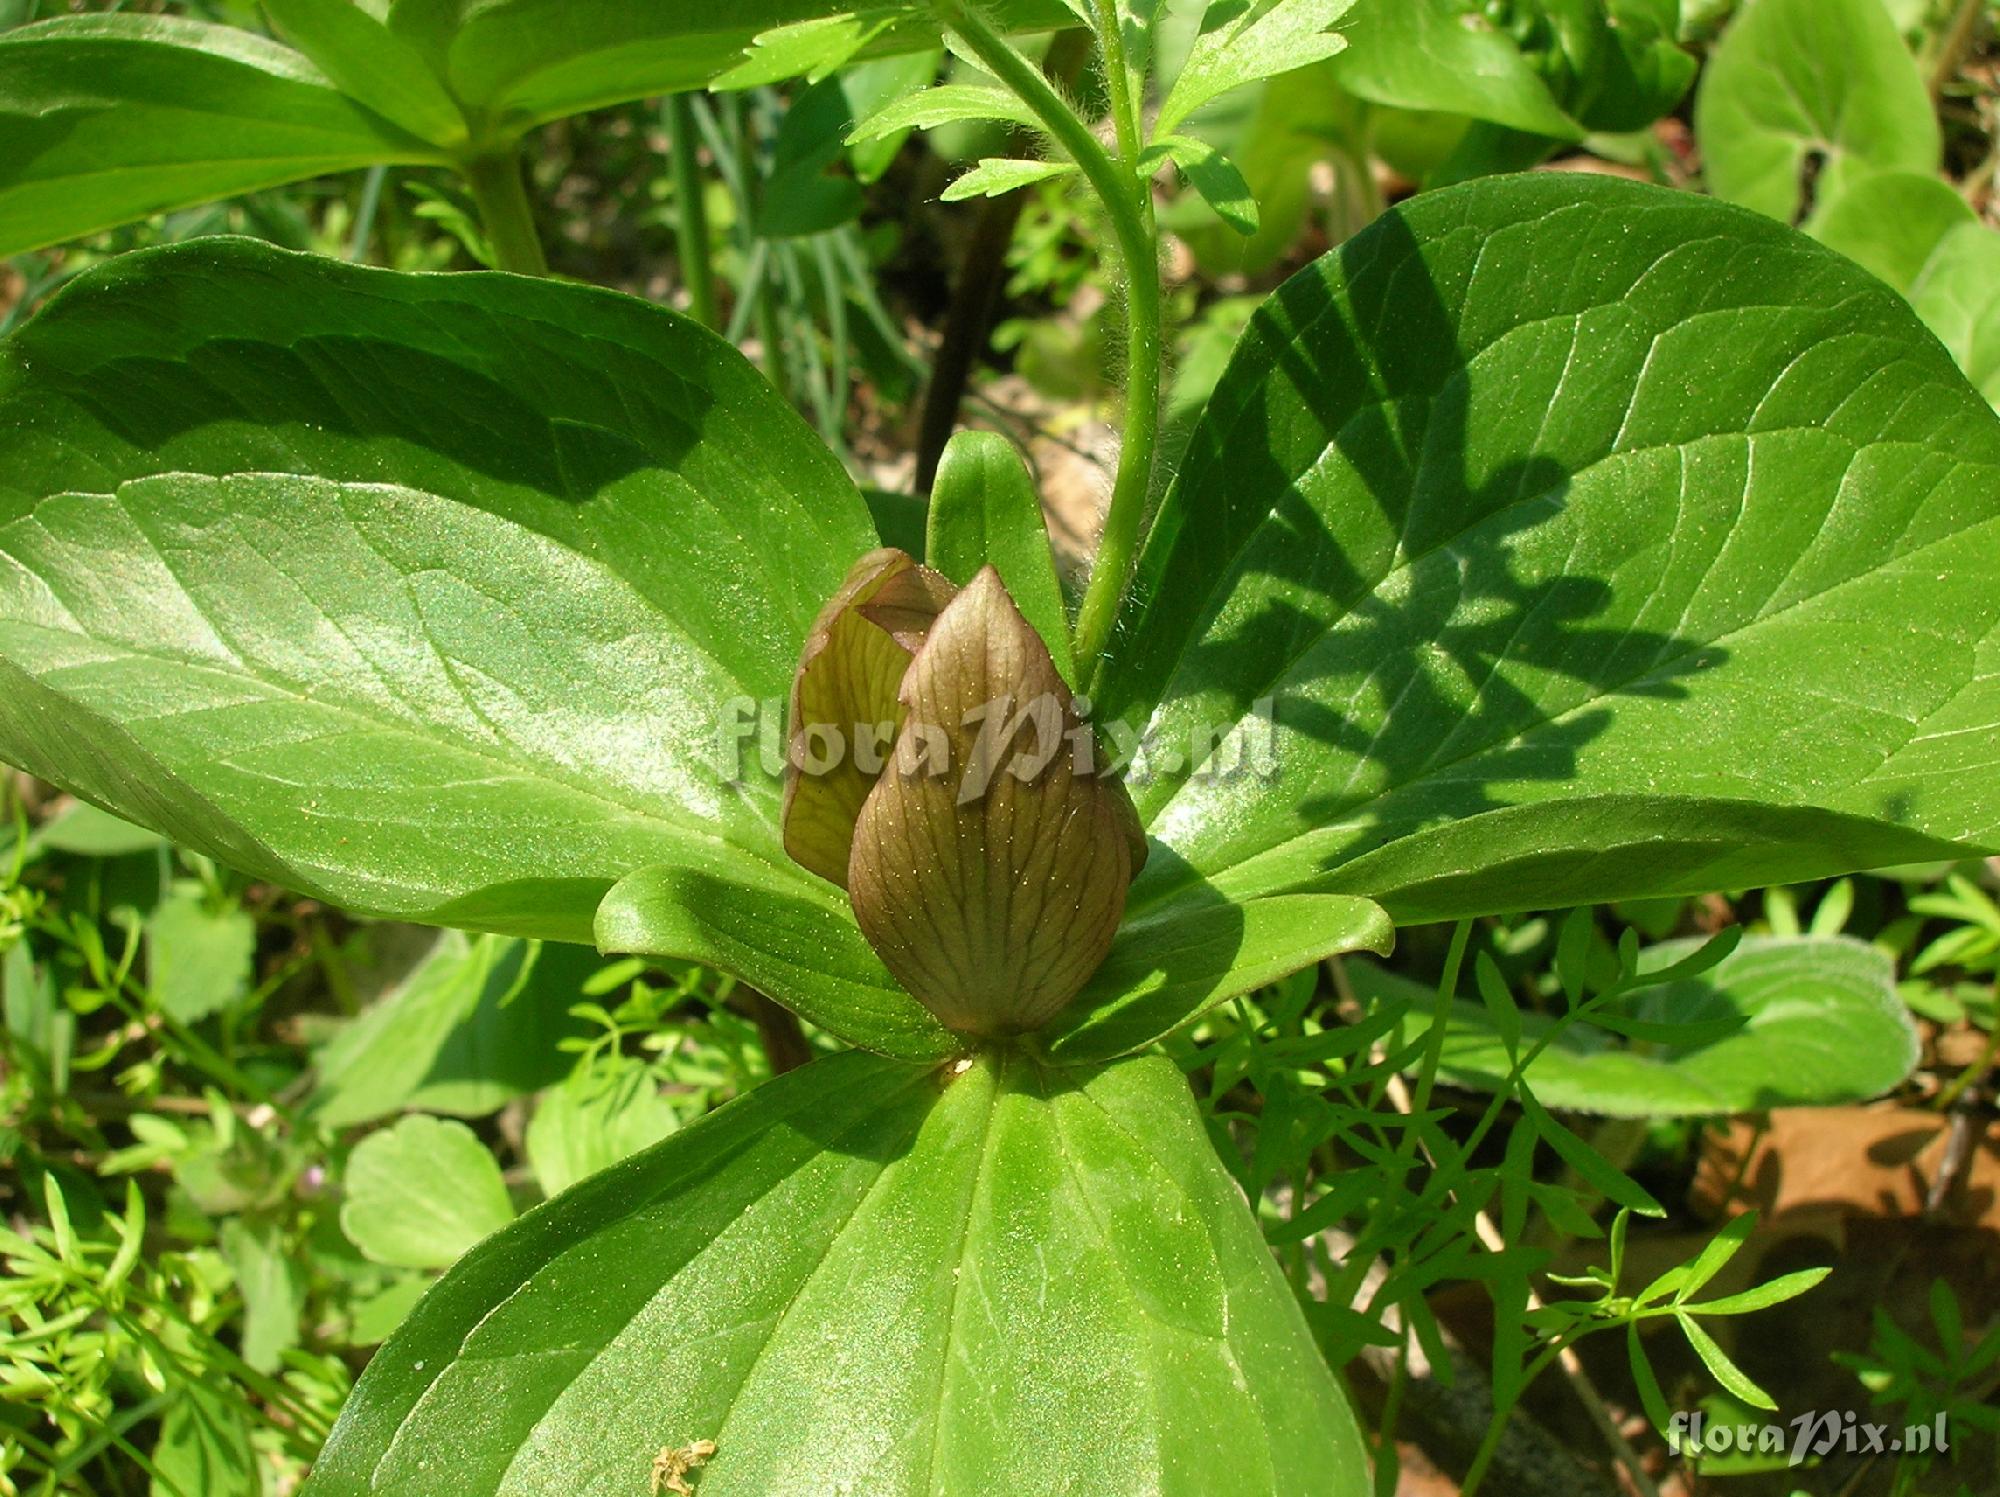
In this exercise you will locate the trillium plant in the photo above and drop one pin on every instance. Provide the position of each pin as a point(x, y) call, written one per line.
point(1555, 540)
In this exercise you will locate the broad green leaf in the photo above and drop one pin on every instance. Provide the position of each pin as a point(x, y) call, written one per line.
point(1538, 74)
point(1550, 602)
point(198, 955)
point(1432, 55)
point(104, 119)
point(1891, 223)
point(792, 938)
point(428, 595)
point(869, 1276)
point(531, 61)
point(477, 1022)
point(984, 510)
point(1820, 1025)
point(943, 105)
point(996, 177)
point(1957, 294)
point(83, 829)
point(599, 1116)
point(1218, 179)
point(1170, 967)
point(1803, 97)
point(1242, 43)
point(899, 519)
point(372, 65)
point(422, 1192)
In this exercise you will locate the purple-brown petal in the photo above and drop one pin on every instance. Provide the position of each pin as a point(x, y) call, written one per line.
point(847, 680)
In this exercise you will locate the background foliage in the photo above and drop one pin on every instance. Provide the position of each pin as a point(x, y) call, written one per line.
point(244, 1129)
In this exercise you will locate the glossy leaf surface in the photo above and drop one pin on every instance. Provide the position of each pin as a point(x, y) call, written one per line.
point(426, 595)
point(372, 65)
point(1820, 1026)
point(1167, 968)
point(874, 1277)
point(1587, 538)
point(792, 938)
point(104, 119)
point(985, 511)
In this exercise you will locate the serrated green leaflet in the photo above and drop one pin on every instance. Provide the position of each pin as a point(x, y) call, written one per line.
point(997, 176)
point(380, 586)
point(1241, 44)
point(1609, 502)
point(874, 1277)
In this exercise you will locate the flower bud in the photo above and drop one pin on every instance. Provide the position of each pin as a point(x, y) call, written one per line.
point(987, 857)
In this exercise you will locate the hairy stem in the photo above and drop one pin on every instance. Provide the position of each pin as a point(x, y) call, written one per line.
point(504, 212)
point(1128, 201)
point(691, 212)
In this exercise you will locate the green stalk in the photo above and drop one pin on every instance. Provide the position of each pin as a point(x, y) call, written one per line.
point(504, 212)
point(1128, 200)
point(697, 269)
